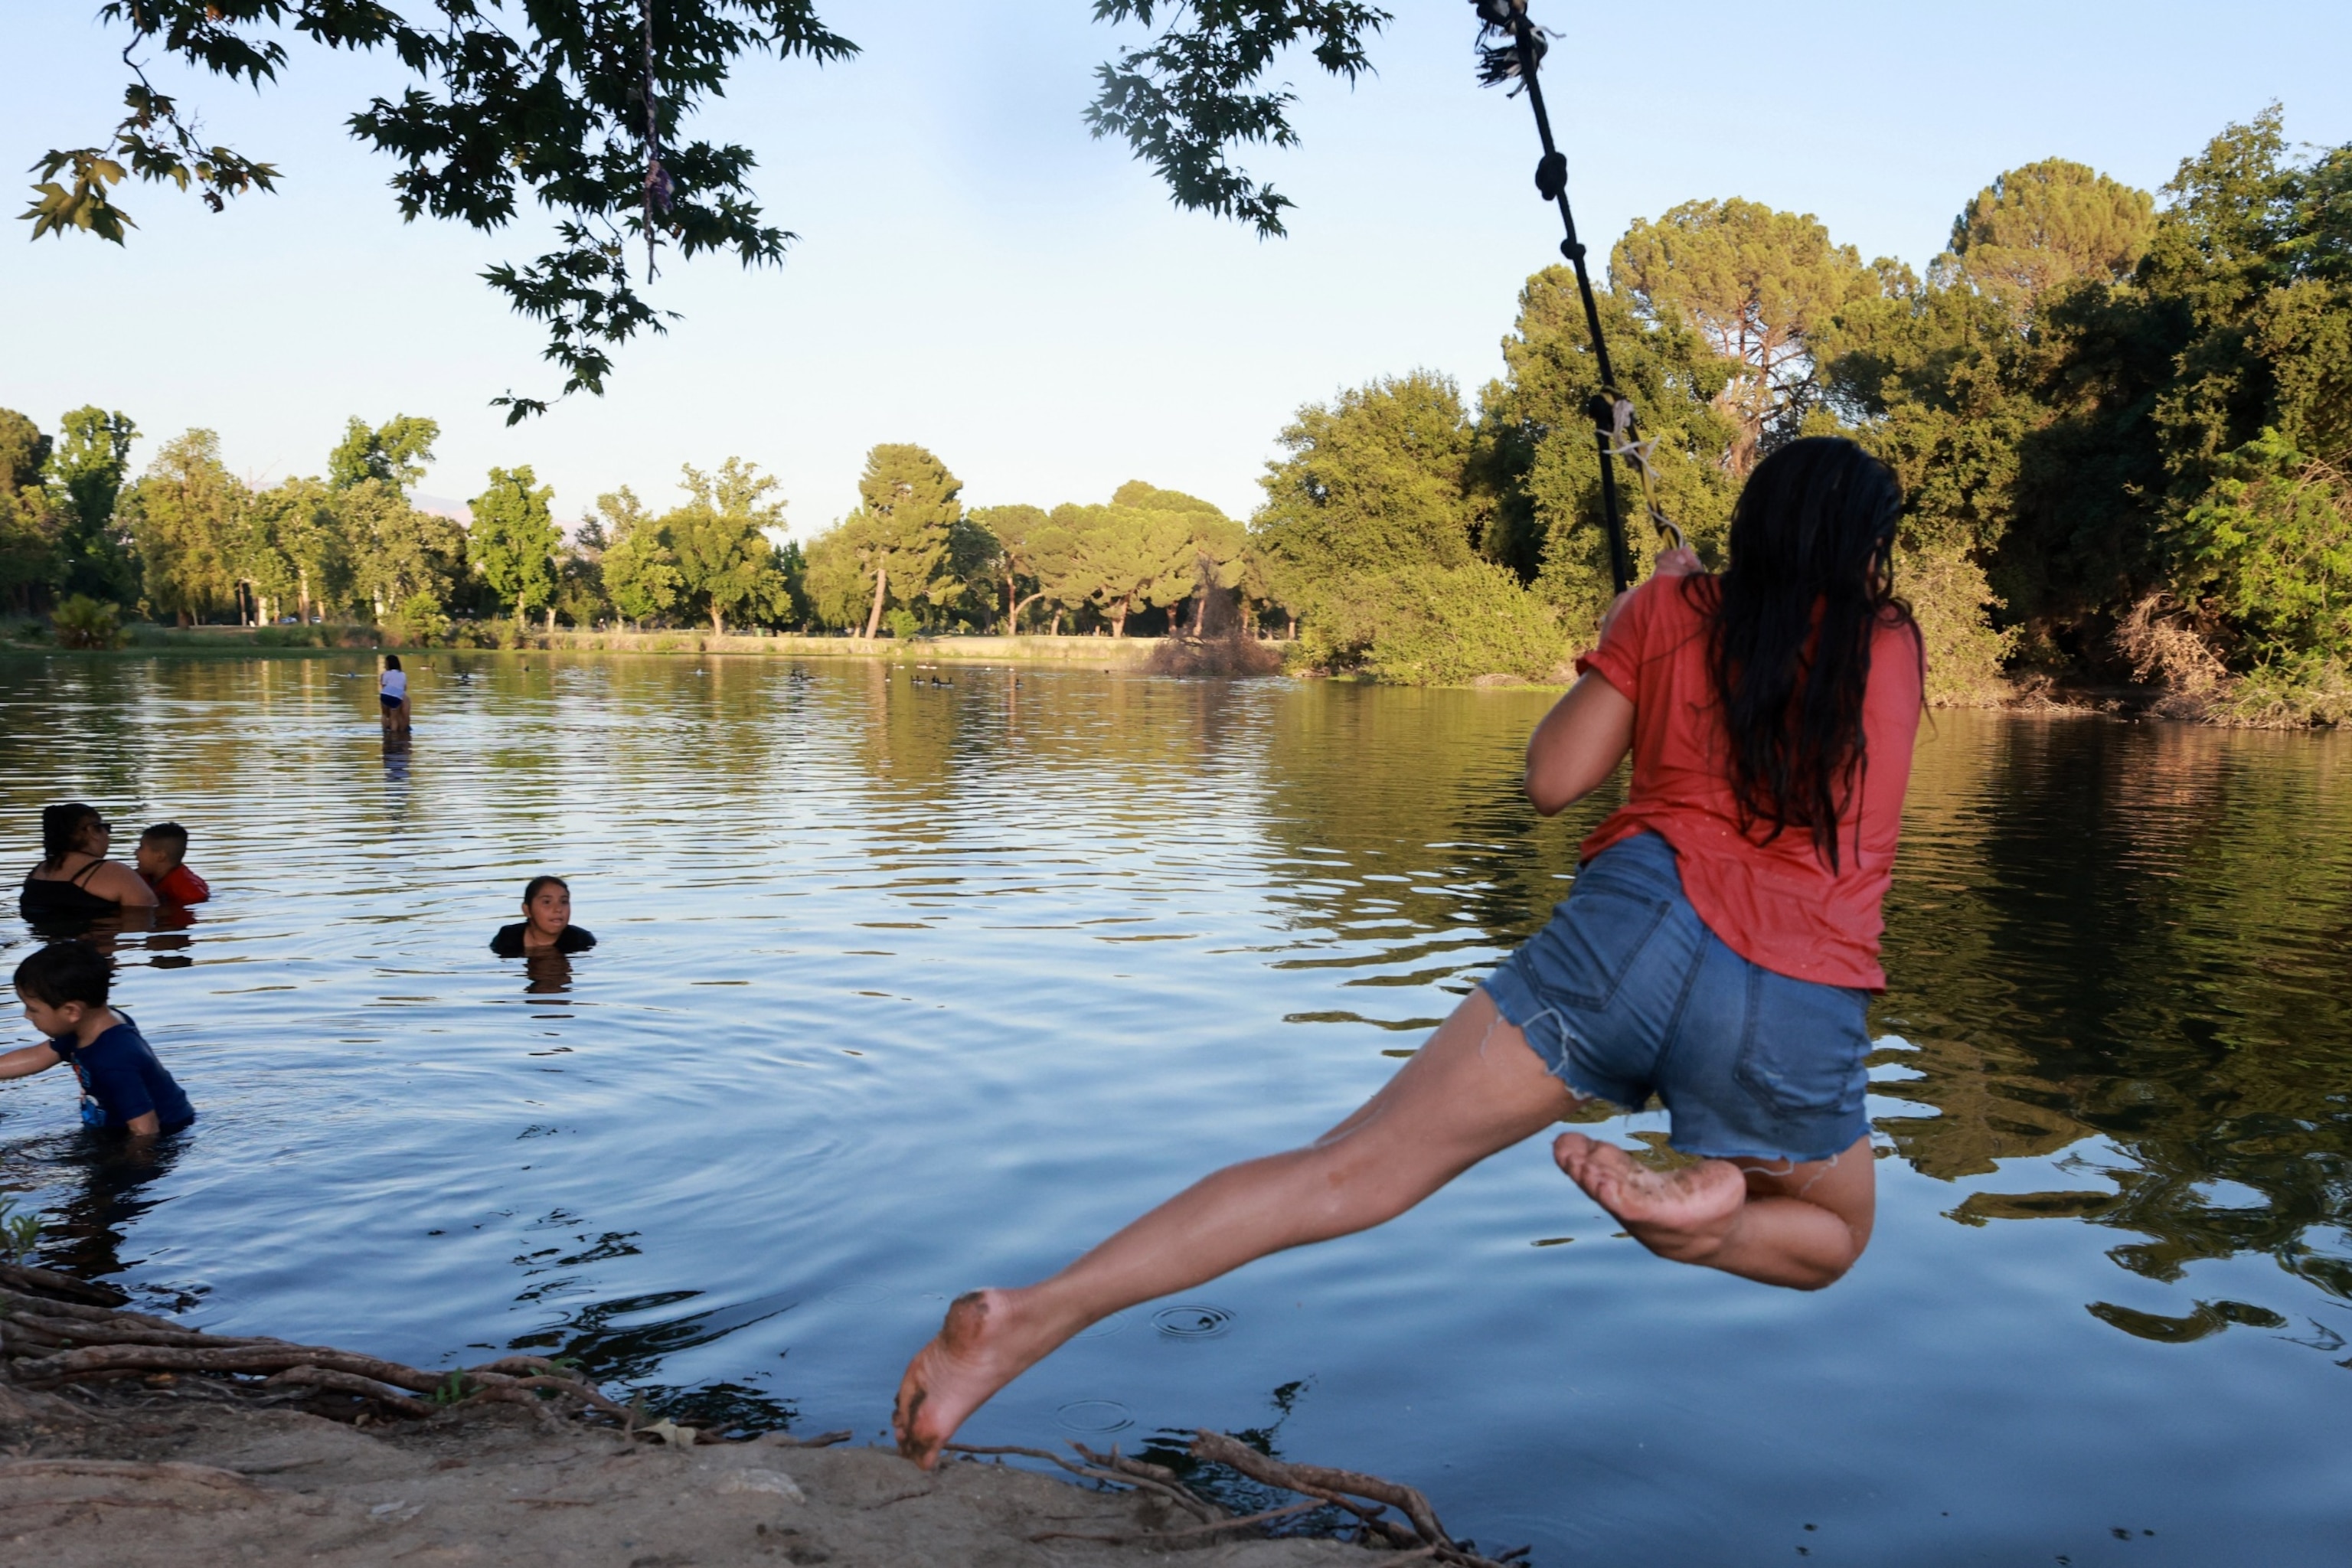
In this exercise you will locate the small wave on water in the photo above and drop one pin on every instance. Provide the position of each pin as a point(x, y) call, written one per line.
point(1193, 1323)
point(1094, 1416)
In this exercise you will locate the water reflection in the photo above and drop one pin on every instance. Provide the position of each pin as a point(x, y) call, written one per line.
point(925, 985)
point(109, 1184)
point(2134, 936)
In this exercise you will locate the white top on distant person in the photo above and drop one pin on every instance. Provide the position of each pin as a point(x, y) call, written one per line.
point(391, 694)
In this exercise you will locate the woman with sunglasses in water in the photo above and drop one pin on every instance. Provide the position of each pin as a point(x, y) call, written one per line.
point(75, 880)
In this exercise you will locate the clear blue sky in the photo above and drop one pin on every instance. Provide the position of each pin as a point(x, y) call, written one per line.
point(975, 274)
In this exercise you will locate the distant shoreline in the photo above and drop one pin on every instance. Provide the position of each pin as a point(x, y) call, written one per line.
point(261, 641)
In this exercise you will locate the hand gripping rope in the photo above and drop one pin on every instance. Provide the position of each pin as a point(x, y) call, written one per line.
point(1610, 410)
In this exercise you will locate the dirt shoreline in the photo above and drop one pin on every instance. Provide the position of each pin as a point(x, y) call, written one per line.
point(204, 1484)
point(123, 1433)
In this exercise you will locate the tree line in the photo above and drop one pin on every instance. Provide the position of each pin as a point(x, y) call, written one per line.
point(2124, 426)
point(189, 542)
point(2124, 429)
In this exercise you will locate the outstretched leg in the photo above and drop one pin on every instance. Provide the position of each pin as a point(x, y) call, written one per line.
point(1800, 1225)
point(1475, 1089)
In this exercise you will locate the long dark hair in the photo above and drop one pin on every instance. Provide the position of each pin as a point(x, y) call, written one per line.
point(1811, 581)
point(60, 825)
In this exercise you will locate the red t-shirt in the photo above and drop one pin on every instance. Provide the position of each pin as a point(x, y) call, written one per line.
point(181, 886)
point(1775, 903)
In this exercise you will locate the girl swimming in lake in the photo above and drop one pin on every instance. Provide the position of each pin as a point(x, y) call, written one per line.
point(546, 926)
point(1717, 948)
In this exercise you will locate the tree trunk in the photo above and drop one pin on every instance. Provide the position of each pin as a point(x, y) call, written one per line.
point(1118, 620)
point(1294, 623)
point(1057, 620)
point(550, 617)
point(874, 615)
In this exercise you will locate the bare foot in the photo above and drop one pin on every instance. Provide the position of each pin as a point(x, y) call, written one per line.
point(1695, 1203)
point(986, 1342)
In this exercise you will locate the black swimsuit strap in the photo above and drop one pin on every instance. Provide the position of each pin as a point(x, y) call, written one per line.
point(76, 878)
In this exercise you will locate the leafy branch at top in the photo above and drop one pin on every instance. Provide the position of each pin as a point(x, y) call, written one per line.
point(154, 139)
point(579, 102)
point(1189, 98)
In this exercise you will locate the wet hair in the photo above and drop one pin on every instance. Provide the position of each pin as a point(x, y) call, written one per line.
point(1811, 581)
point(530, 889)
point(67, 972)
point(170, 833)
point(392, 661)
point(61, 825)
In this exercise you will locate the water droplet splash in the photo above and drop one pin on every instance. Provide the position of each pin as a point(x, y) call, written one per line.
point(1094, 1416)
point(1193, 1321)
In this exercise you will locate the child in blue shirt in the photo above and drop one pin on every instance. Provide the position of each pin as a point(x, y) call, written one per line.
point(123, 1088)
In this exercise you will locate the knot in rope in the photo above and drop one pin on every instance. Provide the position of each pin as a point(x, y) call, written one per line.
point(1612, 416)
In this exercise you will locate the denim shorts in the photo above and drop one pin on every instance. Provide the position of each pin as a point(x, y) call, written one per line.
point(1626, 992)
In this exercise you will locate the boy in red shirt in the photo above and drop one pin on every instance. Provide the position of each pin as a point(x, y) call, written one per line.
point(162, 848)
point(1718, 949)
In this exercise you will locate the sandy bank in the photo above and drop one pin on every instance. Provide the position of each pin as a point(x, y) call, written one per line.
point(197, 1483)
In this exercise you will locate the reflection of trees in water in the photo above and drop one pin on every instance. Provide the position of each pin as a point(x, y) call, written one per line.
point(2137, 932)
point(1404, 826)
point(82, 1233)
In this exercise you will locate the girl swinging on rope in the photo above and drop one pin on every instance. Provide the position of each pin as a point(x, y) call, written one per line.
point(1717, 948)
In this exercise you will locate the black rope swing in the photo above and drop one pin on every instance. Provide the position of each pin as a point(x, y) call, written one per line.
point(1516, 59)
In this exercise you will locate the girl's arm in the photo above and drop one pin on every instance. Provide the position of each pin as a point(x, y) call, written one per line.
point(25, 1063)
point(1579, 744)
point(1588, 732)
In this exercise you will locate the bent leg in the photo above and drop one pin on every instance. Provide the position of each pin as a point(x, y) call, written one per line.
point(1475, 1089)
point(1801, 1225)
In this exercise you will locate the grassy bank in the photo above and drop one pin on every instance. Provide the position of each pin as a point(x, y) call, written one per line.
point(1102, 653)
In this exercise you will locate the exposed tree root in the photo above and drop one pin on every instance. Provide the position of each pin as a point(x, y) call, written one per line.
point(58, 1333)
point(1369, 1497)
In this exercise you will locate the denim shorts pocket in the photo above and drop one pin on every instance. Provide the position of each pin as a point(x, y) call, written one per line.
point(1804, 1044)
point(1600, 930)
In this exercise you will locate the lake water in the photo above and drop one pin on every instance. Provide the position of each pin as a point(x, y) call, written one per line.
point(904, 987)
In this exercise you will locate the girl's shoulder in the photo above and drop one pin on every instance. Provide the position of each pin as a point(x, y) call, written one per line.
point(1667, 612)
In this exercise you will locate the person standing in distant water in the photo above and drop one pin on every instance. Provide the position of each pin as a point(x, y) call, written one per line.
point(392, 696)
point(163, 856)
point(546, 926)
point(75, 880)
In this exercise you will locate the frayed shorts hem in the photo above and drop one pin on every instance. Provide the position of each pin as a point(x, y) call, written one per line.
point(1625, 993)
point(1518, 1007)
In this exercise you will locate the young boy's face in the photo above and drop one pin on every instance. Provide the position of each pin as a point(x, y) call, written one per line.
point(158, 857)
point(53, 1022)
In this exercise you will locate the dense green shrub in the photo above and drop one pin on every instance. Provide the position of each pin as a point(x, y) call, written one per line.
point(417, 623)
point(84, 622)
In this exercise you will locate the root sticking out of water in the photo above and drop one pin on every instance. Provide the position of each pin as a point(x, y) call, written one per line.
point(60, 1334)
point(1369, 1497)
